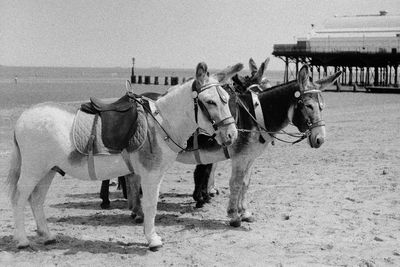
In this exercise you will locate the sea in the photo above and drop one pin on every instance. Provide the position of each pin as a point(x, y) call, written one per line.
point(30, 85)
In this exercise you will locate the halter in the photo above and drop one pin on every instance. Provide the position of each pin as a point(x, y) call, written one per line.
point(151, 109)
point(196, 91)
point(259, 118)
point(321, 105)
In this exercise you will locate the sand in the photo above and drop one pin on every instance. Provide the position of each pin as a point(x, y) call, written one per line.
point(338, 205)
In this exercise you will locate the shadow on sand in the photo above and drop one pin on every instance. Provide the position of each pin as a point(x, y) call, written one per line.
point(73, 245)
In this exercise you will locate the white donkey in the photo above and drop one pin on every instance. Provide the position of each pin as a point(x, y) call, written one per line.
point(43, 145)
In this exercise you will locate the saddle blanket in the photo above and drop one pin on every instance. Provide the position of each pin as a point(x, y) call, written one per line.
point(82, 128)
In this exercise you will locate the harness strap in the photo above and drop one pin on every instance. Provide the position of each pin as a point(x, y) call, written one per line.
point(196, 147)
point(92, 139)
point(155, 113)
point(226, 152)
point(259, 116)
point(127, 159)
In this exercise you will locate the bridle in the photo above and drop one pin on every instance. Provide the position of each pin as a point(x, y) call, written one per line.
point(154, 113)
point(300, 96)
point(198, 103)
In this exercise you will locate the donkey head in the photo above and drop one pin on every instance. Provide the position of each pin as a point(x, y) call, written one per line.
point(257, 81)
point(213, 101)
point(307, 115)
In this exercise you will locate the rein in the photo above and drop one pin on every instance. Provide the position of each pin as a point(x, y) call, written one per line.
point(224, 122)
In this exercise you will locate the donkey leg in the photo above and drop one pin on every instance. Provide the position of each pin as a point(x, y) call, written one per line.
point(36, 201)
point(134, 203)
point(240, 168)
point(151, 190)
point(245, 215)
point(121, 181)
point(104, 194)
point(211, 188)
point(25, 186)
point(201, 175)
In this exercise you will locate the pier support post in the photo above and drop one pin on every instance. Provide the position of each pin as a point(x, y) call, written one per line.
point(396, 83)
point(286, 74)
point(351, 75)
point(376, 76)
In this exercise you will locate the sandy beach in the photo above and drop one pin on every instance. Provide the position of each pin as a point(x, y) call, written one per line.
point(338, 205)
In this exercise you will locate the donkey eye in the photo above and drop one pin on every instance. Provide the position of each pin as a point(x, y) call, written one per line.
point(211, 102)
point(310, 107)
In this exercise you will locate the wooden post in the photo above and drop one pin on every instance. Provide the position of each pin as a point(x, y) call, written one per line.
point(319, 72)
point(140, 79)
point(133, 77)
point(286, 74)
point(395, 76)
point(351, 75)
point(156, 80)
point(146, 79)
point(386, 75)
point(166, 81)
point(174, 80)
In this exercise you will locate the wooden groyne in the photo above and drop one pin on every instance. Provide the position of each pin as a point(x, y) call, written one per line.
point(149, 80)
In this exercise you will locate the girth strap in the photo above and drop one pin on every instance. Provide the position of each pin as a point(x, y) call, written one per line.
point(92, 139)
point(127, 159)
point(196, 147)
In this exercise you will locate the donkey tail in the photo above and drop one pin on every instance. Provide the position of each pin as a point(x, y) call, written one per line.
point(15, 169)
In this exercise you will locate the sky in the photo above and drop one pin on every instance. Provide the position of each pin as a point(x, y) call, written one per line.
point(163, 33)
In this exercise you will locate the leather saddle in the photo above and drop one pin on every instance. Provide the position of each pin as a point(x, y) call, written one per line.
point(118, 120)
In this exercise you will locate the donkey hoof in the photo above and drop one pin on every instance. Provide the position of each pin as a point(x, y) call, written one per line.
point(139, 219)
point(249, 219)
point(235, 223)
point(199, 204)
point(155, 243)
point(213, 192)
point(23, 245)
point(105, 205)
point(50, 242)
point(155, 248)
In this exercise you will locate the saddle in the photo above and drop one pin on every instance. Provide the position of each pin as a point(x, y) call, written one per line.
point(118, 120)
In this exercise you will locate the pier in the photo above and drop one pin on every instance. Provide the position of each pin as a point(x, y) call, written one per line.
point(366, 48)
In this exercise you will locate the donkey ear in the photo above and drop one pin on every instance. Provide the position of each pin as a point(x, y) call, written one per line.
point(128, 86)
point(262, 71)
point(252, 66)
point(224, 75)
point(201, 73)
point(264, 74)
point(325, 82)
point(303, 77)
